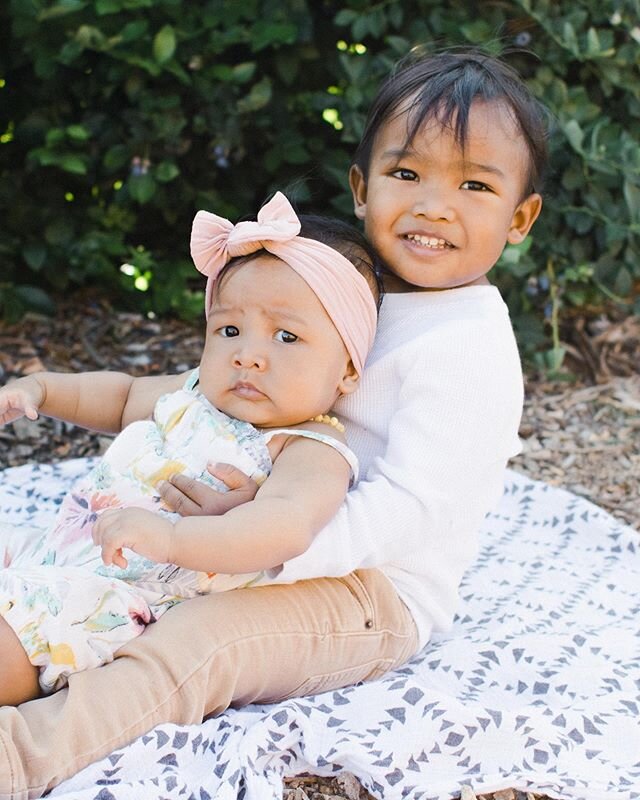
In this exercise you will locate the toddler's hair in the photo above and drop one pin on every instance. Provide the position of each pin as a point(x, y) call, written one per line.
point(340, 236)
point(443, 87)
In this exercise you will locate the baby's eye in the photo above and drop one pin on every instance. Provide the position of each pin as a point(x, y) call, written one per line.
point(476, 186)
point(286, 337)
point(228, 331)
point(404, 174)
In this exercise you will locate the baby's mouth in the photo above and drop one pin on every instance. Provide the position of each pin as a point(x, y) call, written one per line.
point(432, 242)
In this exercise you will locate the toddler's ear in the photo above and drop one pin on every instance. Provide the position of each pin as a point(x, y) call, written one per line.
point(524, 217)
point(358, 186)
point(350, 380)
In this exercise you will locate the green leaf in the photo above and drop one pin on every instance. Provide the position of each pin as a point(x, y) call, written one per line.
point(166, 171)
point(116, 157)
point(377, 22)
point(574, 134)
point(54, 136)
point(243, 72)
point(34, 254)
point(35, 298)
point(134, 30)
point(59, 233)
point(477, 31)
point(77, 132)
point(164, 44)
point(399, 44)
point(72, 163)
point(512, 253)
point(90, 36)
point(61, 9)
point(355, 67)
point(593, 42)
point(69, 52)
point(623, 284)
point(104, 7)
point(395, 14)
point(141, 187)
point(632, 199)
point(270, 34)
point(360, 27)
point(258, 97)
point(552, 359)
point(570, 38)
point(345, 17)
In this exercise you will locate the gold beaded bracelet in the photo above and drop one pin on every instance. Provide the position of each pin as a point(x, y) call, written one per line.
point(333, 421)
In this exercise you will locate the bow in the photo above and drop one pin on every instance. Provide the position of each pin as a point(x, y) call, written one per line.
point(215, 240)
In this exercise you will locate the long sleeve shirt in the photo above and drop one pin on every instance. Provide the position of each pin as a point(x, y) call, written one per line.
point(433, 424)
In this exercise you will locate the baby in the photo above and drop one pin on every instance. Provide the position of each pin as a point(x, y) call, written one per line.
point(290, 321)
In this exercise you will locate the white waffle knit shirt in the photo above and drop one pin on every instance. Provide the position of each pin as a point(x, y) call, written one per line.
point(433, 424)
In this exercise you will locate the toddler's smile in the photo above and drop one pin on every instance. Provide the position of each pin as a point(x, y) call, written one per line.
point(430, 242)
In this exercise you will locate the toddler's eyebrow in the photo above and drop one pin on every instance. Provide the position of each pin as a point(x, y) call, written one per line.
point(475, 167)
point(398, 153)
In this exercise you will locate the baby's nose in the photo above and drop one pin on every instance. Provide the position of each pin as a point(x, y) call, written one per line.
point(248, 358)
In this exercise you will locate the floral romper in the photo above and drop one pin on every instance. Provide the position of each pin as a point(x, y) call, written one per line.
point(69, 610)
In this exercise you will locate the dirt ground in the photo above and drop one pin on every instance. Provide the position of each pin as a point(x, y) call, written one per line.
point(583, 434)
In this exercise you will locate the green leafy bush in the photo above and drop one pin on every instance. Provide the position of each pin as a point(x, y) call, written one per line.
point(121, 118)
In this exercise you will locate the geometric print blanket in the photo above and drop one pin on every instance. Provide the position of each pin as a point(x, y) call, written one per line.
point(536, 687)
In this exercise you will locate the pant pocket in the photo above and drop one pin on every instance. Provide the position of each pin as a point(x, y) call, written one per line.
point(360, 594)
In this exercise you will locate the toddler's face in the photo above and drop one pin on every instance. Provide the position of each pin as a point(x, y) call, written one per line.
point(440, 216)
point(272, 355)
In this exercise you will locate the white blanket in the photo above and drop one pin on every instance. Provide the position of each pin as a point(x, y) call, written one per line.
point(536, 687)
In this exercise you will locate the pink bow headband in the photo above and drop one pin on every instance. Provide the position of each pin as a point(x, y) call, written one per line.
point(342, 290)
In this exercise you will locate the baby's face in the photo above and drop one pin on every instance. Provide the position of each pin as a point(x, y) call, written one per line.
point(272, 355)
point(441, 216)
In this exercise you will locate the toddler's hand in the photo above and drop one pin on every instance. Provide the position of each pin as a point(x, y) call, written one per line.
point(190, 498)
point(20, 398)
point(142, 531)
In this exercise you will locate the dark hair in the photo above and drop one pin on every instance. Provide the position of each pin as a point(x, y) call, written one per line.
point(340, 236)
point(443, 87)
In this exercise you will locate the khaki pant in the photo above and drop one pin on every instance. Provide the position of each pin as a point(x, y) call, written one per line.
point(250, 645)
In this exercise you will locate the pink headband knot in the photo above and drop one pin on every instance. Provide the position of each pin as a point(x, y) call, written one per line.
point(342, 290)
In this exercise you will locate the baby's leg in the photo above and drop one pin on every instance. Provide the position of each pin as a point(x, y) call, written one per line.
point(18, 677)
point(68, 619)
point(234, 648)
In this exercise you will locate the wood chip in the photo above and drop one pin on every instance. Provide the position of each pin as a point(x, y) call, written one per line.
point(504, 794)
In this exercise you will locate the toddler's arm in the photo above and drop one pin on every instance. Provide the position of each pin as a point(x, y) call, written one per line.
point(102, 401)
point(307, 484)
point(422, 501)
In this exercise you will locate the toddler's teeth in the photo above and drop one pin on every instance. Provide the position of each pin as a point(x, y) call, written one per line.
point(428, 241)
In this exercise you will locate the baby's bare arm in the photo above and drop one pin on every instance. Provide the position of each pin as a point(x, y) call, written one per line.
point(308, 483)
point(144, 394)
point(101, 401)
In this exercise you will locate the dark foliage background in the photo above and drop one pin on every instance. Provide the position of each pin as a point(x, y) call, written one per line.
point(120, 118)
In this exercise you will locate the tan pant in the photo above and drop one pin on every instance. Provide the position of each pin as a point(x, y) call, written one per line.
point(249, 645)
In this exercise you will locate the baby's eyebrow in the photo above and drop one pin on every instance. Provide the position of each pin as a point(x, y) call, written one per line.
point(276, 313)
point(217, 310)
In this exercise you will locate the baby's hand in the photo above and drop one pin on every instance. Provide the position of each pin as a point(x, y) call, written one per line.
point(20, 398)
point(142, 531)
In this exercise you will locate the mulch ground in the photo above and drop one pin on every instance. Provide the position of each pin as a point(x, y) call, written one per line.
point(582, 434)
